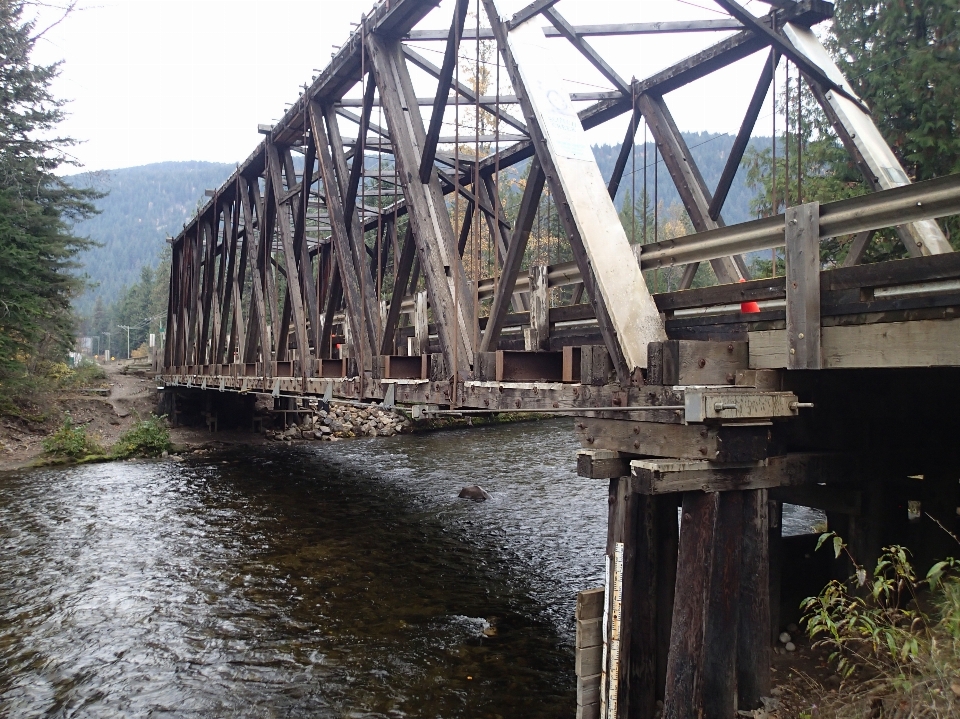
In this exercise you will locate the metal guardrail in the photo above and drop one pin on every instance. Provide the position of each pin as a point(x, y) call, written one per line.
point(887, 208)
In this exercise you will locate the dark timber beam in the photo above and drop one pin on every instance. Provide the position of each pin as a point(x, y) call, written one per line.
point(294, 289)
point(436, 245)
point(361, 322)
point(525, 13)
point(529, 203)
point(463, 90)
point(687, 178)
point(443, 89)
point(404, 266)
point(743, 137)
point(570, 32)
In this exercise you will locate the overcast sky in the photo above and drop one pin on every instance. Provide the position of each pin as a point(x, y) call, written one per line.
point(155, 80)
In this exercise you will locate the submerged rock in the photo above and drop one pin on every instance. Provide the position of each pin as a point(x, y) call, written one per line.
point(474, 492)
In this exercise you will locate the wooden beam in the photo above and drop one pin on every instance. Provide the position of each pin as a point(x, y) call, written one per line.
point(432, 231)
point(529, 11)
point(687, 179)
point(294, 291)
point(665, 476)
point(589, 218)
point(428, 153)
point(693, 442)
point(404, 266)
point(347, 263)
point(593, 57)
point(529, 203)
point(743, 137)
point(258, 311)
point(803, 286)
point(465, 92)
point(922, 343)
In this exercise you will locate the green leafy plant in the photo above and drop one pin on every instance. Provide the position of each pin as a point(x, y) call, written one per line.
point(147, 438)
point(71, 441)
point(899, 633)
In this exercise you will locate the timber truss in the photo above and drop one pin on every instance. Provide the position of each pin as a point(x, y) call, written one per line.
point(306, 254)
point(363, 252)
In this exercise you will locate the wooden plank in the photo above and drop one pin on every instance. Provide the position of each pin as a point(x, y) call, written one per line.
point(692, 362)
point(924, 343)
point(803, 286)
point(589, 632)
point(590, 604)
point(701, 677)
point(421, 335)
point(622, 519)
point(539, 309)
point(588, 661)
point(666, 476)
point(588, 690)
point(595, 366)
point(722, 444)
point(601, 464)
point(571, 364)
point(589, 711)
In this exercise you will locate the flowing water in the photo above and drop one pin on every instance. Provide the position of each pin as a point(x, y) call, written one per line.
point(326, 580)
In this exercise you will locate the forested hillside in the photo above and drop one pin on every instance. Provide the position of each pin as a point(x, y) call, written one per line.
point(709, 151)
point(144, 206)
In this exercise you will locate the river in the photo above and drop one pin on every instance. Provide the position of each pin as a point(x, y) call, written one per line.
point(323, 579)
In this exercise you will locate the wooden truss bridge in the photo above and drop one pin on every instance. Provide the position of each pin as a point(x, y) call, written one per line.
point(362, 252)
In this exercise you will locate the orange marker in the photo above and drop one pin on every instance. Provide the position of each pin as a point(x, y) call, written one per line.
point(748, 307)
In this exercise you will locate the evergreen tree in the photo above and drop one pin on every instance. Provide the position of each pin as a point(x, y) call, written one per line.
point(902, 57)
point(37, 246)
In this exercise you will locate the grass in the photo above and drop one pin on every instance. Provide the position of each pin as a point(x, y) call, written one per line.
point(893, 637)
point(72, 443)
point(147, 438)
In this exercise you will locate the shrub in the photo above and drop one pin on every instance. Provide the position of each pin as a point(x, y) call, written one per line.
point(71, 441)
point(907, 660)
point(147, 438)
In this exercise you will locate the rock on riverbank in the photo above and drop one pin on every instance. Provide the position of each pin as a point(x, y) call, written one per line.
point(344, 421)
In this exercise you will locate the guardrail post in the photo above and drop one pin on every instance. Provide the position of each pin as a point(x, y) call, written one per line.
point(802, 238)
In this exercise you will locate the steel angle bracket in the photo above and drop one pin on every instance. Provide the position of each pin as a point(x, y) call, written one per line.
point(276, 388)
point(223, 384)
point(389, 398)
point(203, 385)
point(703, 404)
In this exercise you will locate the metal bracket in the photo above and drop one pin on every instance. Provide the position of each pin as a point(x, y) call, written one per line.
point(389, 399)
point(703, 404)
point(276, 388)
point(223, 384)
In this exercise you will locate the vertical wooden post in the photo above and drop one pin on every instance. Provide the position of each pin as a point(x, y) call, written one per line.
point(803, 286)
point(701, 667)
point(421, 343)
point(753, 630)
point(642, 684)
point(668, 531)
point(621, 530)
point(775, 549)
point(539, 309)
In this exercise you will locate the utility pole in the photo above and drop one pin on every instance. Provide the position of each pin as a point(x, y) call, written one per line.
point(108, 346)
point(127, 328)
